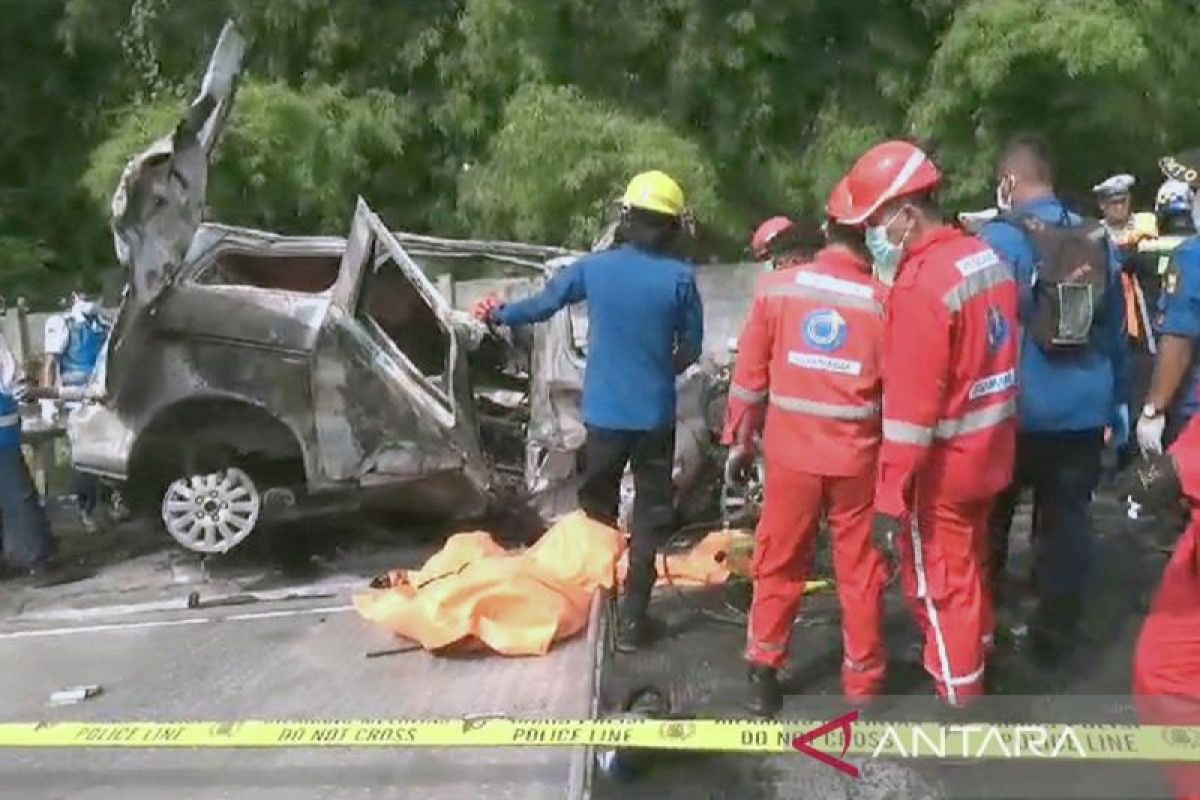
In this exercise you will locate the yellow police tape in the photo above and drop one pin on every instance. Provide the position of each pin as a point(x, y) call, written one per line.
point(982, 741)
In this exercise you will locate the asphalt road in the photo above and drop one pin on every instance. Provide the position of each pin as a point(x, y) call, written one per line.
point(125, 629)
point(699, 664)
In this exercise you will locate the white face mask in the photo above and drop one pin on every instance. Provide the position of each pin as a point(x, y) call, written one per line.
point(885, 255)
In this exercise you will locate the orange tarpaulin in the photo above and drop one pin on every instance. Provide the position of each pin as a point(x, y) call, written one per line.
point(473, 592)
point(712, 561)
point(708, 563)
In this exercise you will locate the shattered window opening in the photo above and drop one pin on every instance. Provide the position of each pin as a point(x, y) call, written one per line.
point(308, 274)
point(391, 301)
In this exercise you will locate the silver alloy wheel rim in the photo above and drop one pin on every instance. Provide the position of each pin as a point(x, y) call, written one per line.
point(211, 513)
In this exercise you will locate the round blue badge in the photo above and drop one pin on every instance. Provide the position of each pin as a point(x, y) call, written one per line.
point(825, 330)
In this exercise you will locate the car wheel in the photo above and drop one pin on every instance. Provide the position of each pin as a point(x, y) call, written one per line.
point(211, 512)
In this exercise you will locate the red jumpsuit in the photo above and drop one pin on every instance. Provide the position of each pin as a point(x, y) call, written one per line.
point(809, 357)
point(949, 431)
point(1166, 664)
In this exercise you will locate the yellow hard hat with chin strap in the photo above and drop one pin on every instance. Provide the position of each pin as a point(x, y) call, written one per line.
point(654, 191)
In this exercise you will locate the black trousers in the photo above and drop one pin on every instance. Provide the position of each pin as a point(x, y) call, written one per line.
point(1063, 470)
point(87, 490)
point(652, 455)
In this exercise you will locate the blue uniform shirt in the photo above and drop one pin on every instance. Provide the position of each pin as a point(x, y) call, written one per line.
point(10, 421)
point(644, 319)
point(1179, 315)
point(1074, 393)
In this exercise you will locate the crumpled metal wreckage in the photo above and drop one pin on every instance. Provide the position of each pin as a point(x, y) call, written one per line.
point(254, 378)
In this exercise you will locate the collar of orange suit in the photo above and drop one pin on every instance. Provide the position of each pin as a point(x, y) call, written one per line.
point(842, 258)
point(932, 238)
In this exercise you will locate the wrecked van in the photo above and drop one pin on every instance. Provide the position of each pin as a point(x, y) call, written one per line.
point(253, 378)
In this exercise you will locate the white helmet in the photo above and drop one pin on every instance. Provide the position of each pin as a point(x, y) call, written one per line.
point(1173, 195)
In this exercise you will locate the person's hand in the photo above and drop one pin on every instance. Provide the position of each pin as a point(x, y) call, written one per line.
point(737, 464)
point(485, 309)
point(22, 391)
point(1150, 434)
point(1152, 482)
point(884, 528)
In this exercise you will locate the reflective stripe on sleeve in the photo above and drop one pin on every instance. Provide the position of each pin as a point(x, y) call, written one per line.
point(745, 394)
point(976, 420)
point(816, 408)
point(972, 422)
point(8, 420)
point(976, 283)
point(907, 433)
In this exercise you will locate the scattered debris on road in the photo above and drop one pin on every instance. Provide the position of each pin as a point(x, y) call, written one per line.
point(394, 651)
point(74, 694)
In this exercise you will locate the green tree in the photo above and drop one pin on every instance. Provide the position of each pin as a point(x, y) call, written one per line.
point(759, 105)
point(559, 161)
point(290, 161)
point(1006, 65)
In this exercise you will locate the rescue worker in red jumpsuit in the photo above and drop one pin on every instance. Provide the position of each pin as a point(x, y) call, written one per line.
point(949, 406)
point(776, 243)
point(809, 362)
point(1166, 663)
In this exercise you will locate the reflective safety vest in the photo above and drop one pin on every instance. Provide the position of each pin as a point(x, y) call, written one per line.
point(85, 342)
point(10, 422)
point(809, 362)
point(950, 374)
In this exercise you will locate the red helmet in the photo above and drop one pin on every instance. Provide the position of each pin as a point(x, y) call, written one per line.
point(839, 207)
point(767, 232)
point(885, 172)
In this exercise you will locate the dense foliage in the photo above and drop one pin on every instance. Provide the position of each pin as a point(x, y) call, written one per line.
point(509, 118)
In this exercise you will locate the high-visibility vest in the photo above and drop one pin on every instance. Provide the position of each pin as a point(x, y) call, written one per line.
point(85, 342)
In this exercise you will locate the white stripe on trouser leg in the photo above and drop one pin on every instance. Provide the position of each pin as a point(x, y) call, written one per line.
point(923, 594)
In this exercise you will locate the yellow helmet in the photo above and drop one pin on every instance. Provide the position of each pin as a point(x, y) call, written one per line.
point(654, 191)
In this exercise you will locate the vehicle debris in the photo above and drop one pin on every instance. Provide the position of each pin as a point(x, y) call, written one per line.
point(394, 651)
point(252, 379)
point(247, 598)
point(75, 694)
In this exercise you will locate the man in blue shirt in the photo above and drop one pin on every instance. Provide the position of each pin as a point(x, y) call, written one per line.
point(645, 326)
point(1172, 399)
point(1067, 401)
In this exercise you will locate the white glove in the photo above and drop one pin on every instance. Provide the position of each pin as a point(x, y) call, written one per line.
point(1150, 434)
point(20, 391)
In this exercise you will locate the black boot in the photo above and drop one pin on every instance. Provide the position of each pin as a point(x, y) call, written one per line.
point(766, 695)
point(633, 624)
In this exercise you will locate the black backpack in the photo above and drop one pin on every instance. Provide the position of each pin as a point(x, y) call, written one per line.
point(1072, 279)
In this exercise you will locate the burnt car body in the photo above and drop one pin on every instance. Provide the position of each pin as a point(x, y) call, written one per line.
point(253, 377)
